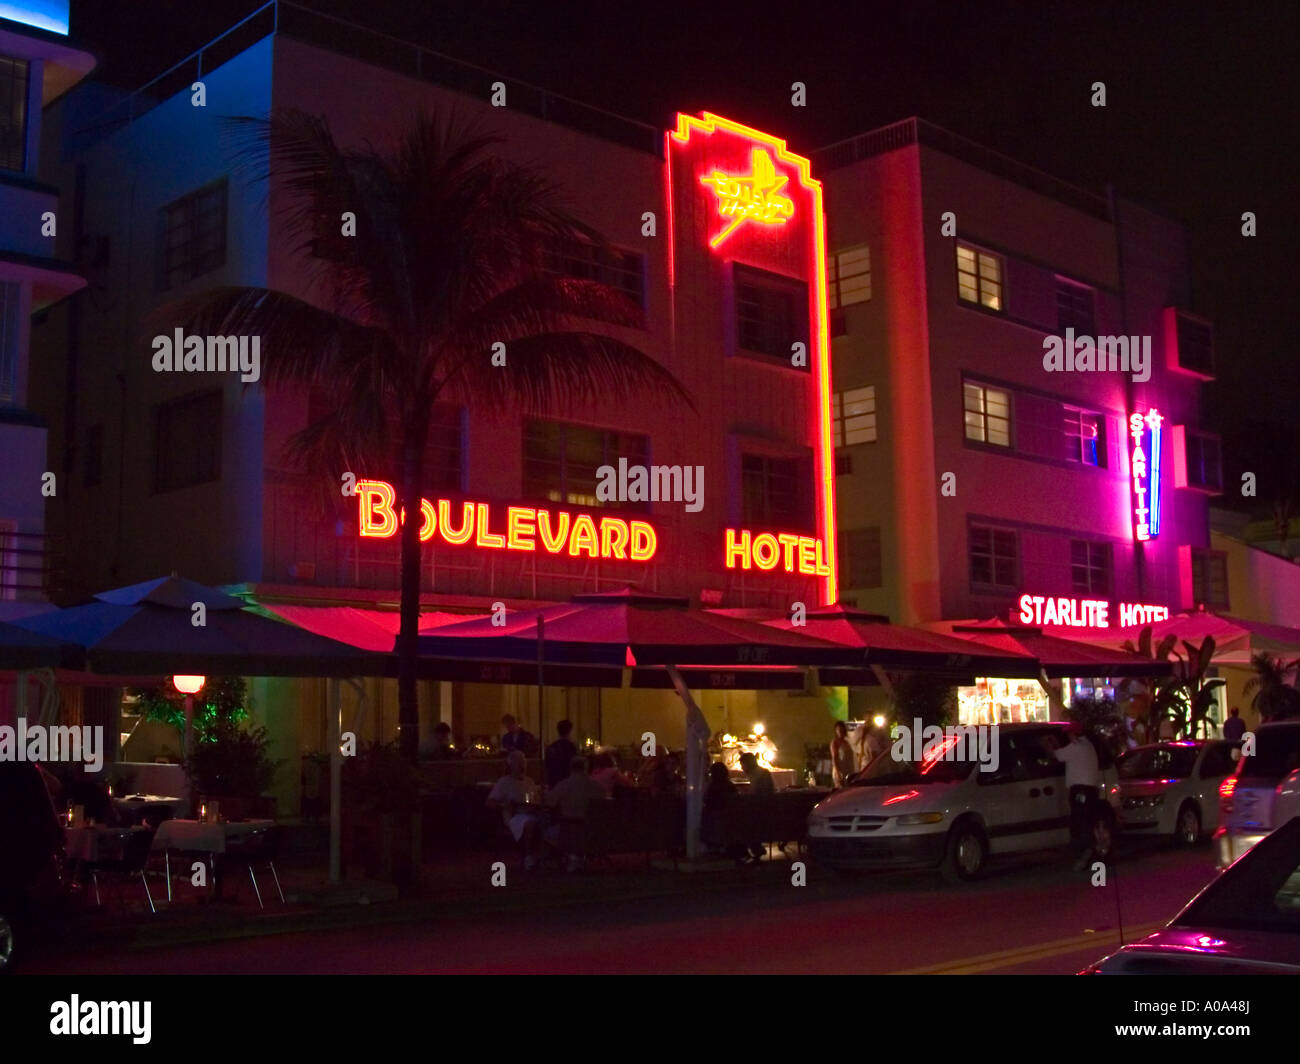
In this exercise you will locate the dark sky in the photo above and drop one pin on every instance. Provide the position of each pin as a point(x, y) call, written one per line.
point(1200, 117)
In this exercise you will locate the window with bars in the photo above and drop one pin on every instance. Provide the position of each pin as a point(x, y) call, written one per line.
point(187, 442)
point(979, 276)
point(848, 277)
point(9, 322)
point(1210, 578)
point(853, 416)
point(1084, 437)
point(14, 74)
point(1090, 567)
point(192, 235)
point(771, 313)
point(994, 557)
point(561, 461)
point(776, 492)
point(859, 557)
point(1075, 308)
point(624, 270)
point(1204, 462)
point(987, 413)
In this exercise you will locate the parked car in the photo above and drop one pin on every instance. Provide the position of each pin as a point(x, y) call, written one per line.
point(1245, 922)
point(952, 815)
point(1264, 792)
point(31, 857)
point(1172, 788)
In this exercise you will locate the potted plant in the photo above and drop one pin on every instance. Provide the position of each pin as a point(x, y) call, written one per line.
point(231, 765)
point(381, 810)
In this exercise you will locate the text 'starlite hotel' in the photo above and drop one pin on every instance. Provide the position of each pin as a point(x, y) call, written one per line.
point(874, 419)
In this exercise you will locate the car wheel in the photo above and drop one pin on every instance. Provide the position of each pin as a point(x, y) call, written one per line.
point(1187, 828)
point(966, 854)
point(1103, 838)
point(6, 943)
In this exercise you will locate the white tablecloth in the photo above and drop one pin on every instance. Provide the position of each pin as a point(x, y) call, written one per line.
point(98, 843)
point(198, 837)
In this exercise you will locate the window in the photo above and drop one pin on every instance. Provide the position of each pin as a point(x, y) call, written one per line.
point(92, 469)
point(1210, 578)
point(1195, 344)
point(9, 569)
point(771, 313)
point(1204, 462)
point(843, 464)
point(624, 270)
point(858, 551)
point(1090, 567)
point(848, 277)
point(979, 277)
point(994, 557)
point(561, 460)
point(1075, 308)
point(9, 321)
point(13, 113)
point(988, 414)
point(1084, 437)
point(187, 442)
point(776, 492)
point(853, 416)
point(192, 235)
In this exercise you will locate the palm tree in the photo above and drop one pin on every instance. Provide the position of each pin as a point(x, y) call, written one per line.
point(1274, 687)
point(453, 252)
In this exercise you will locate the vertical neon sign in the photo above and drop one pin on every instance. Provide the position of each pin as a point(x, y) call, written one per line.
point(1144, 464)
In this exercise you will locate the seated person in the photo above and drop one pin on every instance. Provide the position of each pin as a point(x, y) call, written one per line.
point(719, 797)
point(667, 776)
point(571, 798)
point(760, 780)
point(606, 772)
point(94, 796)
point(441, 747)
point(520, 803)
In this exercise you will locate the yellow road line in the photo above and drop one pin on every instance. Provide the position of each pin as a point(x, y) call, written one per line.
point(1008, 958)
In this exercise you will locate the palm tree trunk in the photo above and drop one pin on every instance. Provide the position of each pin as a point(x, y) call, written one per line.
point(408, 703)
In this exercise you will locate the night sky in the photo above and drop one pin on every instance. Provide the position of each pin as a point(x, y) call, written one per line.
point(1199, 121)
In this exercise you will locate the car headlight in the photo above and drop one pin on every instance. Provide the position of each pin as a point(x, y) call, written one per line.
point(919, 818)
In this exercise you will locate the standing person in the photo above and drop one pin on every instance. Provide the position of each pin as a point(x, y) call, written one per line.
point(760, 785)
point(1234, 727)
point(560, 754)
point(516, 737)
point(520, 803)
point(843, 763)
point(1082, 778)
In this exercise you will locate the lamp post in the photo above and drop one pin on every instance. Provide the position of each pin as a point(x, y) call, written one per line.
point(189, 686)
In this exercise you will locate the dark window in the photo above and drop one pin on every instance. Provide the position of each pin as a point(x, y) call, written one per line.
point(994, 557)
point(1090, 567)
point(192, 235)
point(13, 113)
point(988, 414)
point(776, 492)
point(843, 463)
point(771, 313)
point(1195, 345)
point(858, 551)
point(10, 319)
point(561, 461)
point(1204, 462)
point(187, 442)
point(1075, 308)
point(1085, 437)
point(1210, 578)
point(92, 469)
point(624, 270)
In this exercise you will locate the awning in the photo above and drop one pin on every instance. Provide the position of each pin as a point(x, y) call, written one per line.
point(1059, 656)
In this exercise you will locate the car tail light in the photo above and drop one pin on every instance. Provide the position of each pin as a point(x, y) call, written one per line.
point(1226, 789)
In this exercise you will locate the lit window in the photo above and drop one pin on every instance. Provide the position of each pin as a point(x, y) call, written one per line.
point(853, 416)
point(1090, 567)
point(979, 277)
point(13, 113)
point(1210, 578)
point(988, 414)
point(1084, 439)
point(994, 557)
point(1075, 308)
point(561, 461)
point(848, 277)
point(192, 236)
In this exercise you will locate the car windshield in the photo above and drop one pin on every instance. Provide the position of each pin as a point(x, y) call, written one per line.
point(1157, 763)
point(1277, 753)
point(885, 770)
point(1261, 892)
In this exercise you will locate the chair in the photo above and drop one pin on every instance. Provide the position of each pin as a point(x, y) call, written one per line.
point(261, 846)
point(135, 856)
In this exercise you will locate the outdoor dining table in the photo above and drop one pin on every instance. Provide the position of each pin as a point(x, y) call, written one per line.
point(197, 836)
point(95, 842)
point(139, 806)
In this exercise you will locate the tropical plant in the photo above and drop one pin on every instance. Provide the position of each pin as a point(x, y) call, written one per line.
point(446, 253)
point(1185, 697)
point(924, 696)
point(220, 702)
point(1274, 687)
point(380, 779)
point(233, 762)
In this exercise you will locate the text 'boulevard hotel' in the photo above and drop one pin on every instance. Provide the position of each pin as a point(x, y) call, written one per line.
point(862, 331)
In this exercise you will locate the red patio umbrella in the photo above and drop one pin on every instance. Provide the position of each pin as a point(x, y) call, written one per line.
point(1059, 656)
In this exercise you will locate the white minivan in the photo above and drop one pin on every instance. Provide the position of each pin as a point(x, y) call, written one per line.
point(952, 815)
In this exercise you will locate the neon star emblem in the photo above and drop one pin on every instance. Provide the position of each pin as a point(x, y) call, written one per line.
point(750, 197)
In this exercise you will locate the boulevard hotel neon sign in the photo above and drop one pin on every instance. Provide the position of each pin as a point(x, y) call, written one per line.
point(1144, 462)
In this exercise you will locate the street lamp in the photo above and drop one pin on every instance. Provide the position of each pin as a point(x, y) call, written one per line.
point(189, 686)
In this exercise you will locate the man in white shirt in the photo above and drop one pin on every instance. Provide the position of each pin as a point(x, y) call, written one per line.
point(1082, 779)
point(519, 800)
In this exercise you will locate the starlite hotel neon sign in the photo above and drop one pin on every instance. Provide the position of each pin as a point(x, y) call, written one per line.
point(1144, 464)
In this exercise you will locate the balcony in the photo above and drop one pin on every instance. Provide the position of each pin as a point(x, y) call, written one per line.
point(31, 567)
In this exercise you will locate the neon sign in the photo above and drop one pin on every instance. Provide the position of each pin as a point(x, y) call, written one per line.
point(578, 535)
point(754, 197)
point(1144, 461)
point(1085, 613)
point(766, 551)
